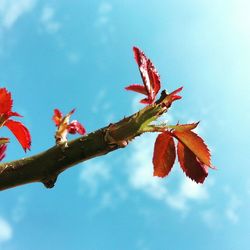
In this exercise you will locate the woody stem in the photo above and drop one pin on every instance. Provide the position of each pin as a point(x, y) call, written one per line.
point(46, 166)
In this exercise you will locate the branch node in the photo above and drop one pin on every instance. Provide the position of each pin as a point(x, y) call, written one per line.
point(111, 141)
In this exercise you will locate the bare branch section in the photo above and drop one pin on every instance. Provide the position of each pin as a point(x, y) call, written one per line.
point(46, 166)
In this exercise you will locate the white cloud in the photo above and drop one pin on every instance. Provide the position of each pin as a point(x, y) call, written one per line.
point(95, 181)
point(106, 200)
point(104, 11)
point(192, 191)
point(248, 187)
point(19, 210)
point(232, 215)
point(103, 22)
point(141, 178)
point(217, 217)
point(6, 231)
point(12, 10)
point(232, 209)
point(105, 8)
point(73, 57)
point(141, 245)
point(92, 175)
point(99, 101)
point(240, 18)
point(102, 107)
point(211, 218)
point(48, 20)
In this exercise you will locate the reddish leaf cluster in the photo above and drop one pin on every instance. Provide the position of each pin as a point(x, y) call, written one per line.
point(64, 126)
point(151, 81)
point(192, 152)
point(17, 128)
point(150, 78)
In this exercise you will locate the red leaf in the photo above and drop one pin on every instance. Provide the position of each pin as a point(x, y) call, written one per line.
point(190, 164)
point(21, 133)
point(154, 78)
point(195, 144)
point(164, 155)
point(137, 88)
point(150, 77)
point(9, 114)
point(3, 148)
point(172, 97)
point(76, 127)
point(5, 101)
point(57, 117)
point(145, 101)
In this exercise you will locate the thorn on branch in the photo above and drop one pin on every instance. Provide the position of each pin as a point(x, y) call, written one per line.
point(50, 181)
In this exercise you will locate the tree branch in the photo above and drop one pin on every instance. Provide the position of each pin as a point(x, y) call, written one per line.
point(46, 166)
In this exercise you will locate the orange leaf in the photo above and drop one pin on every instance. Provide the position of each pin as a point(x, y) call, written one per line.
point(164, 154)
point(195, 144)
point(21, 133)
point(190, 164)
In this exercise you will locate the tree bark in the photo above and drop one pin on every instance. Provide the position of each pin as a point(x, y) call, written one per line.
point(46, 166)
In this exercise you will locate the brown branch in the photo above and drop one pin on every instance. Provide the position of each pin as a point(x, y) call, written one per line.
point(46, 166)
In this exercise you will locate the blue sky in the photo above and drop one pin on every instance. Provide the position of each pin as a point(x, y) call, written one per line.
point(78, 54)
